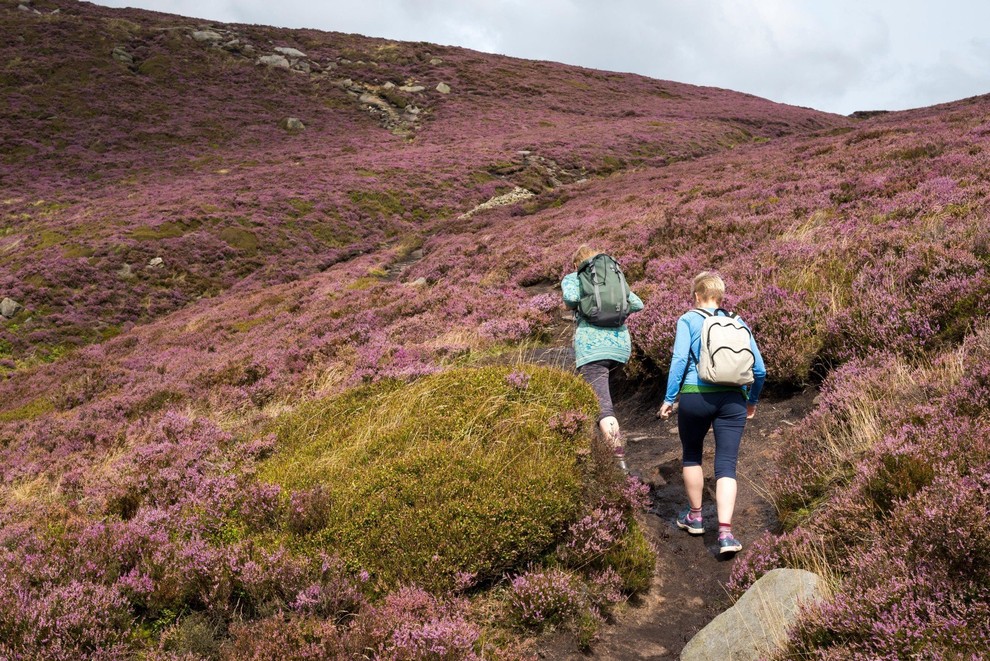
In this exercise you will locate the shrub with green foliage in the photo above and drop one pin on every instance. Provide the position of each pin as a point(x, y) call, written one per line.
point(456, 473)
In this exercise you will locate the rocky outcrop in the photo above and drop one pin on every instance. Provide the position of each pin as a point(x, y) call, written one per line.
point(757, 624)
point(514, 196)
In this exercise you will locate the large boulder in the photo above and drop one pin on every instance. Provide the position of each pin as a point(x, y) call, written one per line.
point(290, 52)
point(757, 624)
point(9, 307)
point(208, 36)
point(274, 61)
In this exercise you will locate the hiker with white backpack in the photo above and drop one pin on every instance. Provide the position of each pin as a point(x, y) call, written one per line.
point(718, 373)
point(601, 300)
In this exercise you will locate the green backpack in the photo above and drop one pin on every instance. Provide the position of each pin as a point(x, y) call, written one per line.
point(604, 292)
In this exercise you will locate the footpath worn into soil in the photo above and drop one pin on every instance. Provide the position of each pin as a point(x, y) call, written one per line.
point(688, 585)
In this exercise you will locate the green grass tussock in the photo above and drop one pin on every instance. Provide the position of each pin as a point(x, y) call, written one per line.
point(457, 472)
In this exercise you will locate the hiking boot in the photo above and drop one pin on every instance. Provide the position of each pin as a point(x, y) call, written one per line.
point(693, 526)
point(728, 544)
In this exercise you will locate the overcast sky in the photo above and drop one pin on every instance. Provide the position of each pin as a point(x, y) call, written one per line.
point(834, 55)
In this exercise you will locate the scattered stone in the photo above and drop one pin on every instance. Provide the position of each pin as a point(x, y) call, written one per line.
point(412, 89)
point(208, 36)
point(443, 88)
point(302, 65)
point(274, 61)
point(756, 626)
point(416, 254)
point(388, 85)
point(435, 61)
point(292, 124)
point(126, 271)
point(524, 152)
point(412, 110)
point(156, 263)
point(9, 307)
point(672, 430)
point(418, 282)
point(122, 56)
point(290, 52)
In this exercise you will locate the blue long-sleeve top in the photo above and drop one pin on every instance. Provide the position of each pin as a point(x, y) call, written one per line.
point(684, 364)
point(591, 342)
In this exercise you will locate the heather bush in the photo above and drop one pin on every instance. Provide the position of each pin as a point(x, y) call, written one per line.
point(907, 462)
point(545, 597)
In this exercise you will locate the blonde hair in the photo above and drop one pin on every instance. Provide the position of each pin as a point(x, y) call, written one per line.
point(583, 253)
point(709, 286)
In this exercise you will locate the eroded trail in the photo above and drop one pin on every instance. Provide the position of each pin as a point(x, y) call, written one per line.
point(687, 590)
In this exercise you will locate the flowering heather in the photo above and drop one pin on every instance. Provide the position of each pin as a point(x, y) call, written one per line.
point(891, 460)
point(138, 396)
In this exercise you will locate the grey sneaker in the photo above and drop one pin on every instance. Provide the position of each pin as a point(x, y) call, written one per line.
point(693, 526)
point(728, 544)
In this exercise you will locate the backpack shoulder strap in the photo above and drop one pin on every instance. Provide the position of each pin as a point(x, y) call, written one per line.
point(726, 313)
point(703, 312)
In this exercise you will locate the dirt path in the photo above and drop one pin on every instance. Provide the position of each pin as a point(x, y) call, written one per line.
point(687, 591)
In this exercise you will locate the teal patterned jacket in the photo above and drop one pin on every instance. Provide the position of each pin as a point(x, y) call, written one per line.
point(592, 343)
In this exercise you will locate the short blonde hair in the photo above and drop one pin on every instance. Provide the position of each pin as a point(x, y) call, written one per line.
point(709, 286)
point(583, 253)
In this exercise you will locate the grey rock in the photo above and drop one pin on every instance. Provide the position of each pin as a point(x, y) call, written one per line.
point(443, 88)
point(756, 625)
point(435, 61)
point(302, 65)
point(274, 61)
point(412, 110)
point(122, 55)
point(412, 89)
point(292, 124)
point(208, 36)
point(9, 307)
point(290, 52)
point(388, 85)
point(156, 263)
point(416, 254)
point(418, 282)
point(126, 271)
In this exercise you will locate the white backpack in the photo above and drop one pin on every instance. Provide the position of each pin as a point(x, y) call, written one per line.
point(726, 357)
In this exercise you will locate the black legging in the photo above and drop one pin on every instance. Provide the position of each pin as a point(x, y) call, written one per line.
point(596, 373)
point(698, 412)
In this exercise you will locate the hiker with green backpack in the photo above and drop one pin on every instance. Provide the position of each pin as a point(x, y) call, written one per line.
point(718, 373)
point(601, 299)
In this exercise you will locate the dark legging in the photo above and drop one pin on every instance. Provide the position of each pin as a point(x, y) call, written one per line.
point(596, 373)
point(726, 412)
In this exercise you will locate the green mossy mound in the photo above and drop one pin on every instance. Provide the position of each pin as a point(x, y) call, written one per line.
point(459, 472)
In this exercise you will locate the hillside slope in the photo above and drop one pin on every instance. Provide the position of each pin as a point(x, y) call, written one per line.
point(131, 136)
point(138, 398)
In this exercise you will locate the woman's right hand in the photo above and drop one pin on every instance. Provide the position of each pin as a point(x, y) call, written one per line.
point(665, 411)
